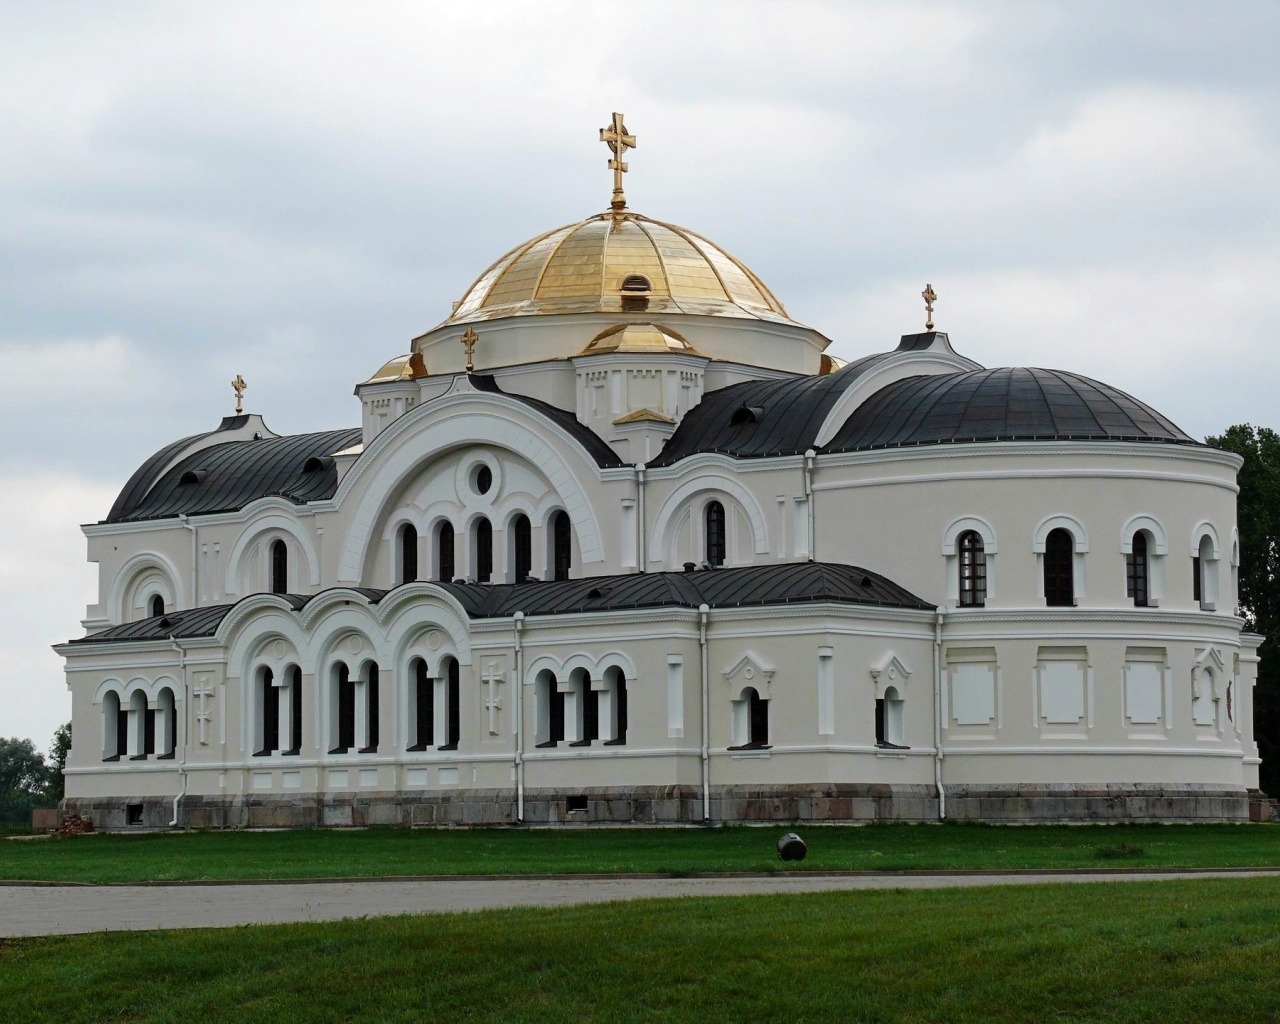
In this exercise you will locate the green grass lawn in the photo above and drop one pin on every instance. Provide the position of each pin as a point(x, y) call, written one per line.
point(1193, 951)
point(354, 853)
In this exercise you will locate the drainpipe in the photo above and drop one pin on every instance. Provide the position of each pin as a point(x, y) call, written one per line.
point(809, 458)
point(641, 553)
point(703, 612)
point(937, 714)
point(195, 564)
point(180, 733)
point(518, 699)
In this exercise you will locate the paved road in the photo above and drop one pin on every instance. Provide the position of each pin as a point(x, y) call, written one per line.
point(59, 910)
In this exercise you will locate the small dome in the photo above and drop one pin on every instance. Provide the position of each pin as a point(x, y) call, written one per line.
point(637, 338)
point(618, 262)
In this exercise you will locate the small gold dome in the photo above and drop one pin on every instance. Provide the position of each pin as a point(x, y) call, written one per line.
point(618, 262)
point(637, 338)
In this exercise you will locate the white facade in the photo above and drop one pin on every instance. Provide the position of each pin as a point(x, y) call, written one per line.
point(995, 704)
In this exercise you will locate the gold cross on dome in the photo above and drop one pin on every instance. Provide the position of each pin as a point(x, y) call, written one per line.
point(468, 341)
point(238, 385)
point(618, 141)
point(930, 297)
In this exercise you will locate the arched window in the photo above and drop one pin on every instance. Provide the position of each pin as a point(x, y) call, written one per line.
point(549, 710)
point(279, 567)
point(561, 545)
point(614, 713)
point(1059, 578)
point(1138, 571)
point(294, 676)
point(114, 727)
point(371, 709)
point(889, 727)
point(522, 548)
point(344, 709)
point(444, 553)
point(453, 705)
point(973, 570)
point(408, 544)
point(156, 608)
point(267, 704)
point(139, 717)
point(483, 547)
point(715, 533)
point(1204, 579)
point(424, 709)
point(750, 720)
point(582, 710)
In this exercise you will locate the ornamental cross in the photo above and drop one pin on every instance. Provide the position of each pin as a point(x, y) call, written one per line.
point(493, 704)
point(618, 141)
point(930, 297)
point(469, 343)
point(202, 714)
point(238, 385)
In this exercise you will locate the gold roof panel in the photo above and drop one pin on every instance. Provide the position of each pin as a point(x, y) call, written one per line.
point(580, 268)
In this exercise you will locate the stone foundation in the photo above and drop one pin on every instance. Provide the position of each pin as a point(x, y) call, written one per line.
point(673, 805)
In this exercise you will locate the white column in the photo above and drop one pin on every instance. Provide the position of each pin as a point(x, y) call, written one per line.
point(362, 714)
point(606, 725)
point(572, 712)
point(285, 703)
point(441, 723)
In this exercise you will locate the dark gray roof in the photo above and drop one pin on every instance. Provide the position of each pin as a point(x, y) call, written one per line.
point(758, 419)
point(226, 477)
point(781, 583)
point(1005, 404)
point(592, 442)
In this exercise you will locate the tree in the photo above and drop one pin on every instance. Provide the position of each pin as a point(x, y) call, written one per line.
point(57, 788)
point(1258, 518)
point(24, 779)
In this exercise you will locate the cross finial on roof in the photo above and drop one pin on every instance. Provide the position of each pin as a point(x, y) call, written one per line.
point(618, 141)
point(468, 341)
point(238, 386)
point(930, 297)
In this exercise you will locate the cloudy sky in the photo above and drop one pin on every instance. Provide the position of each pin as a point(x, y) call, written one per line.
point(293, 191)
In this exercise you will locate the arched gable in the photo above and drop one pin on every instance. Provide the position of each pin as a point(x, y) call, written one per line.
point(146, 561)
point(962, 525)
point(1072, 525)
point(709, 484)
point(1152, 526)
point(254, 532)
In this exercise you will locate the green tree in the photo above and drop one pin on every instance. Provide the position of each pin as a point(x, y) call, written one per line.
point(1258, 519)
point(24, 779)
point(57, 787)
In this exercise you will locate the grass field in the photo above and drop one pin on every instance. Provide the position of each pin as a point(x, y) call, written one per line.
point(1120, 952)
point(371, 852)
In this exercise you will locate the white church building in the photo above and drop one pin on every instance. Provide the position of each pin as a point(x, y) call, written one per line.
point(617, 542)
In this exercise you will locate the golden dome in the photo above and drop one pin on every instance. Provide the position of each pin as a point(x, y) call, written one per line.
point(618, 262)
point(637, 338)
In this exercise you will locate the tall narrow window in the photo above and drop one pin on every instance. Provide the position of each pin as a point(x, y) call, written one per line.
point(345, 692)
point(1137, 571)
point(118, 723)
point(1059, 577)
point(561, 545)
point(408, 543)
point(889, 729)
point(444, 553)
point(157, 606)
point(149, 732)
point(268, 699)
point(973, 570)
point(1205, 566)
point(522, 544)
point(279, 567)
point(295, 707)
point(169, 738)
point(758, 719)
point(615, 720)
point(483, 547)
point(371, 709)
point(715, 533)
point(424, 709)
point(1197, 579)
point(454, 700)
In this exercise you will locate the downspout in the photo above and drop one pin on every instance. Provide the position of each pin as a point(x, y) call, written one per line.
point(641, 553)
point(195, 564)
point(809, 458)
point(703, 612)
point(180, 733)
point(518, 699)
point(937, 713)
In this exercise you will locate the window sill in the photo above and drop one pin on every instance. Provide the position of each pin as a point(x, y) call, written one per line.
point(137, 757)
point(886, 745)
point(545, 744)
point(580, 743)
point(417, 748)
point(448, 746)
point(166, 757)
point(113, 757)
point(368, 750)
point(615, 743)
point(751, 746)
point(296, 751)
point(340, 750)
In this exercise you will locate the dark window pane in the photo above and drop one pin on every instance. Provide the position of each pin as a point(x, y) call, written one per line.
point(973, 570)
point(1136, 571)
point(484, 551)
point(759, 720)
point(425, 713)
point(715, 534)
point(455, 705)
point(1059, 580)
point(408, 553)
point(562, 545)
point(444, 553)
point(346, 710)
point(372, 709)
point(522, 534)
point(295, 699)
point(880, 732)
point(279, 567)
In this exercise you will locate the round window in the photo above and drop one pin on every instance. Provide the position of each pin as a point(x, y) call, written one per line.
point(483, 480)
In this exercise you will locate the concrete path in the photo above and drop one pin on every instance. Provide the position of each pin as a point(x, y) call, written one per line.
point(67, 909)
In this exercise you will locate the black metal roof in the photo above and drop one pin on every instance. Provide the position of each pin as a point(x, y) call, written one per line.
point(745, 586)
point(226, 477)
point(594, 445)
point(1005, 404)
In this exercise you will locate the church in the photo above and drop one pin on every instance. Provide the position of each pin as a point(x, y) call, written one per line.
point(617, 541)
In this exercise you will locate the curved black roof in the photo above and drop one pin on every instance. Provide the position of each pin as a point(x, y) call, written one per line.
point(744, 586)
point(759, 419)
point(1004, 404)
point(595, 446)
point(226, 477)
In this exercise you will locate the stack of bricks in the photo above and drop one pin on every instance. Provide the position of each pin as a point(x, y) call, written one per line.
point(74, 825)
